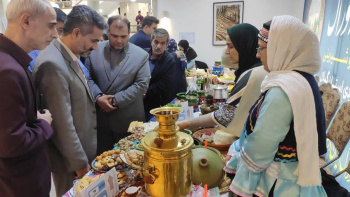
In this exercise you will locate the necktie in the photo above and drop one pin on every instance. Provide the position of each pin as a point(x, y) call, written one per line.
point(78, 65)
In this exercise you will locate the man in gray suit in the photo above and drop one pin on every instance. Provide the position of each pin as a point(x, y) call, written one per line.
point(59, 77)
point(120, 76)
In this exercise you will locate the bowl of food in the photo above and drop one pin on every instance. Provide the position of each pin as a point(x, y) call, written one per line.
point(191, 97)
point(216, 138)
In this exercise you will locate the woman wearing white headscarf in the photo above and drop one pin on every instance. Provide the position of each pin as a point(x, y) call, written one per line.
point(279, 148)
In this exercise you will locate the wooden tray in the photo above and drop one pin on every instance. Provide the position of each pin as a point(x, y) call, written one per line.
point(198, 133)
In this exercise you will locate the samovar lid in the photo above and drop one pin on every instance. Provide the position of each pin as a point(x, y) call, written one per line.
point(167, 138)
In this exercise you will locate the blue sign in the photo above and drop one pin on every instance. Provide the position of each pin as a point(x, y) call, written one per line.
point(334, 46)
point(333, 18)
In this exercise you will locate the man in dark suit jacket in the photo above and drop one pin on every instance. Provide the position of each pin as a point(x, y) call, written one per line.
point(24, 167)
point(142, 38)
point(161, 89)
point(119, 72)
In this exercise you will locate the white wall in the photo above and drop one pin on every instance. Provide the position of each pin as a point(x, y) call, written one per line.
point(3, 5)
point(197, 16)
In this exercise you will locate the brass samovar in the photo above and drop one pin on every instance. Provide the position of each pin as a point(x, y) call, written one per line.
point(168, 156)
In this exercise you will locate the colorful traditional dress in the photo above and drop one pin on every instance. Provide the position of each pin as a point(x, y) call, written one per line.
point(232, 116)
point(264, 159)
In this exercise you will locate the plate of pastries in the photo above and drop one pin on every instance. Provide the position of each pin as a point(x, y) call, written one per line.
point(134, 159)
point(108, 160)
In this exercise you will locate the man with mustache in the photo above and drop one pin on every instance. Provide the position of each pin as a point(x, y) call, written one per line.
point(119, 77)
point(161, 89)
point(59, 77)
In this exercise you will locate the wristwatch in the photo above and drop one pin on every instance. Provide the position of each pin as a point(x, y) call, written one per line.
point(114, 102)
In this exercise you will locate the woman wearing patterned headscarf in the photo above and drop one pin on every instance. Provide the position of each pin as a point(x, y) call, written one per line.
point(172, 46)
point(278, 152)
point(241, 42)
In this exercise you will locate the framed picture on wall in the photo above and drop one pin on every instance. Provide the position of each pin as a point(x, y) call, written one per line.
point(226, 15)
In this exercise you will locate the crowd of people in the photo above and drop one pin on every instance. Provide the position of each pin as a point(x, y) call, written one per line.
point(275, 108)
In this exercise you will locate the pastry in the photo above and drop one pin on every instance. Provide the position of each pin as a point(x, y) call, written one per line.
point(98, 164)
point(134, 126)
point(119, 167)
point(105, 167)
point(107, 160)
point(120, 175)
point(125, 145)
point(86, 181)
point(110, 165)
point(223, 138)
point(136, 136)
point(121, 182)
point(135, 159)
point(103, 161)
point(82, 184)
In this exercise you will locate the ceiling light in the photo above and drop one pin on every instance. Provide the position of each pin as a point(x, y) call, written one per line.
point(101, 10)
point(132, 0)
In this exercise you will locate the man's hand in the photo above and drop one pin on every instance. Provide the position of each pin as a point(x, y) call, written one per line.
point(105, 102)
point(80, 173)
point(45, 116)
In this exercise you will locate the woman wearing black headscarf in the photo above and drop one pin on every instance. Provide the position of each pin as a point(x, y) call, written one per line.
point(242, 40)
point(189, 52)
point(241, 44)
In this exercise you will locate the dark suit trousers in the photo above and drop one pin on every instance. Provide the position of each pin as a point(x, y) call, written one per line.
point(105, 137)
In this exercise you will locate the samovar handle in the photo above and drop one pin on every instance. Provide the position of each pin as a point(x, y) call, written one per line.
point(148, 177)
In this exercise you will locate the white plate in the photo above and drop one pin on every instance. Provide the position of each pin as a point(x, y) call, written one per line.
point(122, 156)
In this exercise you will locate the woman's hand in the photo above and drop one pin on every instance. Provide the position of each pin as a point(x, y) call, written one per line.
point(178, 54)
point(185, 124)
point(215, 79)
point(227, 158)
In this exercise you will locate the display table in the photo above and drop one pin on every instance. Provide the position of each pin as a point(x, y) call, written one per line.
point(168, 149)
point(72, 191)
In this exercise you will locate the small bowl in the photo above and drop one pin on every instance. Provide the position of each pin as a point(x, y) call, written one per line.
point(201, 93)
point(187, 131)
point(196, 142)
point(181, 96)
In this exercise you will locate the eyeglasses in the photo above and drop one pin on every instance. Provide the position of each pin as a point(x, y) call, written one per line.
point(259, 49)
